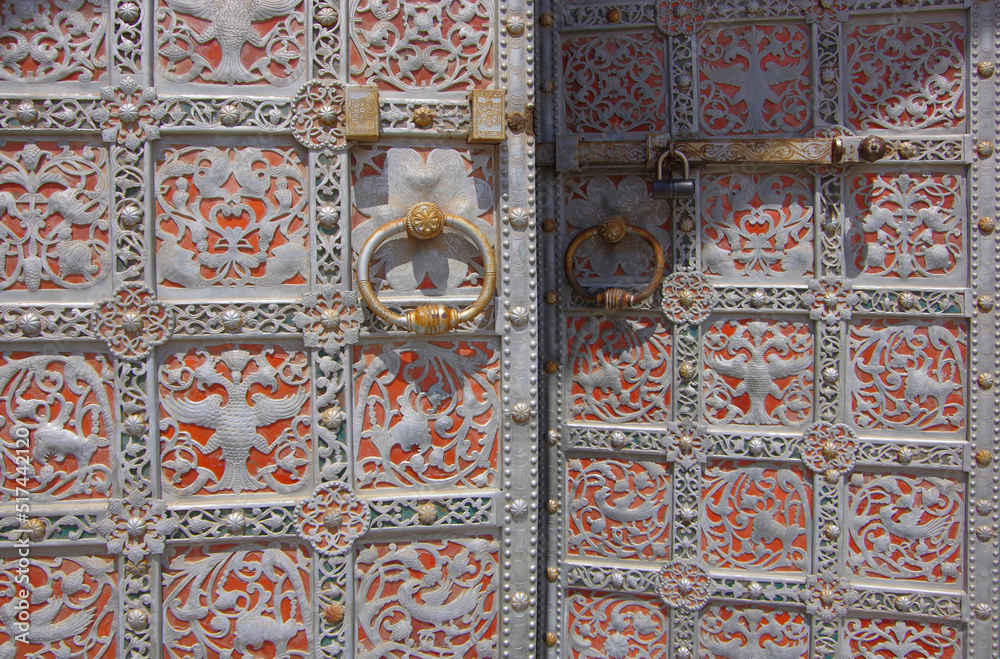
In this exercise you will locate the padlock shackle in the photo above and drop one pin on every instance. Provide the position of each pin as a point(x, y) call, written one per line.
point(671, 155)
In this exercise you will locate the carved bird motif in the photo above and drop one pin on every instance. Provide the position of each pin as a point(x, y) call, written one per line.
point(232, 26)
point(911, 525)
point(747, 66)
point(236, 420)
point(42, 629)
point(435, 608)
point(758, 374)
point(622, 511)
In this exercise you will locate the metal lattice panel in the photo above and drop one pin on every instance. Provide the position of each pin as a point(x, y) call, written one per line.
point(789, 450)
point(210, 444)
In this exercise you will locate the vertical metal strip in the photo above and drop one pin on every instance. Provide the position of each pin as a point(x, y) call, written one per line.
point(983, 498)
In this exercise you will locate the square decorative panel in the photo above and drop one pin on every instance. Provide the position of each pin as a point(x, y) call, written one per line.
point(755, 79)
point(906, 226)
point(619, 509)
point(49, 41)
point(235, 419)
point(772, 632)
point(426, 415)
point(614, 84)
point(618, 626)
point(907, 526)
point(590, 199)
point(386, 182)
point(435, 46)
point(248, 598)
point(757, 516)
point(73, 608)
point(907, 75)
point(908, 376)
point(232, 217)
point(56, 224)
point(437, 598)
point(210, 43)
point(621, 368)
point(60, 433)
point(757, 225)
point(758, 372)
point(905, 639)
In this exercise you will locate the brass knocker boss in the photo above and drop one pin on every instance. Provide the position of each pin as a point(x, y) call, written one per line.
point(425, 221)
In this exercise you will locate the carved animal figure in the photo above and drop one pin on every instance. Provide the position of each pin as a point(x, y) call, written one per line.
point(766, 529)
point(69, 206)
point(236, 420)
point(758, 374)
point(605, 377)
point(921, 385)
point(253, 630)
point(232, 26)
point(50, 439)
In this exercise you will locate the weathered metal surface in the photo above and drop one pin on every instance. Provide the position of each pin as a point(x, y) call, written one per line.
point(790, 450)
point(209, 444)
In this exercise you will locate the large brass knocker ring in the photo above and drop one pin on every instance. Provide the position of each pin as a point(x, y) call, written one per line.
point(425, 221)
point(612, 230)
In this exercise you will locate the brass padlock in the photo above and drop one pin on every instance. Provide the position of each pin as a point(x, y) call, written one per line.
point(673, 188)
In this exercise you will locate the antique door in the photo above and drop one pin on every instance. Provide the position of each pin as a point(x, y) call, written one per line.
point(212, 446)
point(788, 450)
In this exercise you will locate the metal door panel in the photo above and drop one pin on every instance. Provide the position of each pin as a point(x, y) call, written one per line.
point(822, 432)
point(211, 445)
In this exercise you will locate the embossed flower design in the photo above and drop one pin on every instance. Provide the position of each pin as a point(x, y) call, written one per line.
point(133, 322)
point(407, 178)
point(521, 412)
point(329, 319)
point(424, 220)
point(685, 586)
point(829, 448)
point(630, 200)
point(830, 299)
point(518, 316)
point(129, 114)
point(829, 597)
point(680, 16)
point(826, 12)
point(686, 444)
point(519, 217)
point(688, 298)
point(136, 526)
point(332, 518)
point(318, 115)
point(26, 112)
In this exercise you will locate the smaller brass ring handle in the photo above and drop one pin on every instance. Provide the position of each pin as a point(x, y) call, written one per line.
point(425, 221)
point(612, 230)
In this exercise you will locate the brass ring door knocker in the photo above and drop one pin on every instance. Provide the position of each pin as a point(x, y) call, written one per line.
point(613, 229)
point(425, 221)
